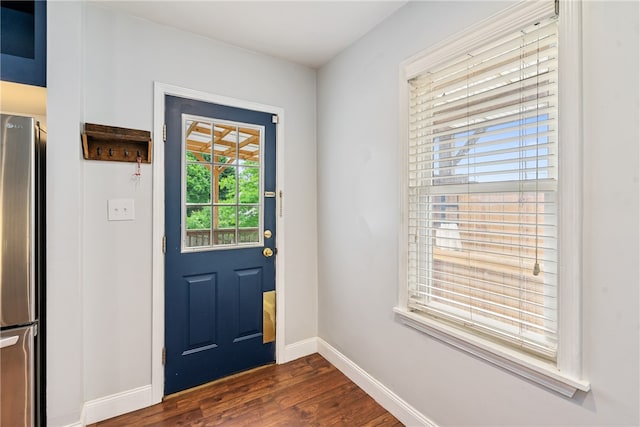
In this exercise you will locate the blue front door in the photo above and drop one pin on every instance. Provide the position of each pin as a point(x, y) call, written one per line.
point(220, 233)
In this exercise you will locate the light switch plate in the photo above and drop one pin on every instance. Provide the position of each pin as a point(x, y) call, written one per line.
point(120, 210)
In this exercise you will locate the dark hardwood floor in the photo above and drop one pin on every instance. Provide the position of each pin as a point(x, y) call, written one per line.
point(306, 392)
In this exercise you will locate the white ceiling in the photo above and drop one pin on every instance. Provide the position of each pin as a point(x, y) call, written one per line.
point(305, 32)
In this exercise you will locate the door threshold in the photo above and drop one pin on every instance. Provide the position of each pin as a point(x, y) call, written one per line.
point(219, 380)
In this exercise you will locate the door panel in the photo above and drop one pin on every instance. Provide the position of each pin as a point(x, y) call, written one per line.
point(249, 297)
point(202, 326)
point(220, 161)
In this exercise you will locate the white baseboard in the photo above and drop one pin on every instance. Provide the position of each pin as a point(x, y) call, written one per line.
point(299, 349)
point(390, 401)
point(142, 397)
point(117, 404)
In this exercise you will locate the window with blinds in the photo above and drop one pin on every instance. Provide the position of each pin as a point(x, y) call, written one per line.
point(482, 211)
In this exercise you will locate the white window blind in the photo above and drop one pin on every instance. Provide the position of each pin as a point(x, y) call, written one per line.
point(482, 217)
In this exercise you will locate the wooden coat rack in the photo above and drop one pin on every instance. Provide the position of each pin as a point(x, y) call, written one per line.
point(110, 143)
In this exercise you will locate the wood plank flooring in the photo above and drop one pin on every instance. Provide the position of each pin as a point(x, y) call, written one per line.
point(306, 392)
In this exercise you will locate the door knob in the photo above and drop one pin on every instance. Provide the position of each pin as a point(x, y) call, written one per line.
point(268, 252)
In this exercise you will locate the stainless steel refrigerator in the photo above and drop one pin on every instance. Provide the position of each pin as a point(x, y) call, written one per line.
point(21, 271)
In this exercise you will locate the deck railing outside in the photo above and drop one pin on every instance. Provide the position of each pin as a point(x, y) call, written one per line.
point(224, 236)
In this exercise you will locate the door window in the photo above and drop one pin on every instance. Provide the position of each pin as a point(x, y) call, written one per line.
point(221, 184)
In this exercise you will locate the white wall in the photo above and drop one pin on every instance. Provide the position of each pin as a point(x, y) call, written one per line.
point(358, 215)
point(65, 375)
point(102, 65)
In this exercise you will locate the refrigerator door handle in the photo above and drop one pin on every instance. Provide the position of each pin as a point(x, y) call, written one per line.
point(8, 342)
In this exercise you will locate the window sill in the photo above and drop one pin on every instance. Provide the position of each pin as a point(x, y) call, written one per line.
point(535, 370)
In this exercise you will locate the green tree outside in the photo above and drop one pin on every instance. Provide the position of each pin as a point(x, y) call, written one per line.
point(199, 187)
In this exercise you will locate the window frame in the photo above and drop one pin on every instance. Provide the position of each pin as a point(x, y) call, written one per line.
point(565, 374)
point(183, 197)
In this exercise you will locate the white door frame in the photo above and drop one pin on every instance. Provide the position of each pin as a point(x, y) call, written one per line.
point(157, 308)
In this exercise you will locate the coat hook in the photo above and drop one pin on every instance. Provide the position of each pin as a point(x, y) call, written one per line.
point(99, 150)
point(126, 153)
point(111, 151)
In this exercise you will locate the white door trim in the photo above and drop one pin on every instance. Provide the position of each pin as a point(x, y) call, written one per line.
point(157, 308)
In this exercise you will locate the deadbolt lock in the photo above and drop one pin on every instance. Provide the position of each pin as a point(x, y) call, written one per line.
point(268, 252)
point(267, 234)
